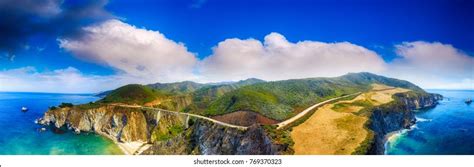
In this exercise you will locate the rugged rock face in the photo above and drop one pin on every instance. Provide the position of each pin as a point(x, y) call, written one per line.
point(207, 138)
point(397, 115)
point(117, 123)
point(167, 132)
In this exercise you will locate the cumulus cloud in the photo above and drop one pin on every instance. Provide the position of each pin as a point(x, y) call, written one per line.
point(146, 56)
point(68, 80)
point(433, 65)
point(135, 52)
point(277, 58)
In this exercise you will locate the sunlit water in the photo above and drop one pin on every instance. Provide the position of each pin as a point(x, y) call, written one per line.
point(20, 135)
point(446, 129)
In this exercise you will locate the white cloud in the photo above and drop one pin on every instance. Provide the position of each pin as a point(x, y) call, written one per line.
point(433, 65)
point(145, 54)
point(277, 59)
point(68, 80)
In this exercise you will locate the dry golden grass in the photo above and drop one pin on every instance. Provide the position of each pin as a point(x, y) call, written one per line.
point(341, 132)
point(329, 132)
point(382, 94)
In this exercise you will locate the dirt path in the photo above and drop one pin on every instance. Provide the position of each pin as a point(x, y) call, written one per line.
point(339, 132)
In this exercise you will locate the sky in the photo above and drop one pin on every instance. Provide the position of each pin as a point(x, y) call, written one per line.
point(72, 46)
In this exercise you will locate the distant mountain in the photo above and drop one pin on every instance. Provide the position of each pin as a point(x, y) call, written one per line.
point(177, 87)
point(103, 94)
point(204, 96)
point(249, 81)
point(189, 86)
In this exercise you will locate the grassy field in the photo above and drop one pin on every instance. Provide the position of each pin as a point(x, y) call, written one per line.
point(337, 128)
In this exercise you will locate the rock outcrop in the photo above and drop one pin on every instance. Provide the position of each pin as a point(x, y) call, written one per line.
point(207, 138)
point(166, 132)
point(397, 115)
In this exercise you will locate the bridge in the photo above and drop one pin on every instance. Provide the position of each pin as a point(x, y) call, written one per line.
point(187, 115)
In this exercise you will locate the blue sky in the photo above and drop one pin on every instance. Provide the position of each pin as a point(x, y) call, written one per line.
point(394, 35)
point(366, 23)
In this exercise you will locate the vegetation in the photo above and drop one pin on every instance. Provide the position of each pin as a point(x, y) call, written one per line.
point(366, 145)
point(163, 134)
point(278, 100)
point(177, 88)
point(89, 105)
point(64, 105)
point(282, 99)
point(361, 103)
point(281, 137)
point(132, 94)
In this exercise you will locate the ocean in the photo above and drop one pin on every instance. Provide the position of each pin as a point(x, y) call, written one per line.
point(447, 129)
point(19, 135)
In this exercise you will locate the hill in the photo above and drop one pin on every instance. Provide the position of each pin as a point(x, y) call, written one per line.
point(204, 96)
point(177, 87)
point(277, 100)
point(282, 99)
point(132, 94)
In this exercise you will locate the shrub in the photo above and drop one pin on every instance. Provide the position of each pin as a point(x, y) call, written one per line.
point(63, 105)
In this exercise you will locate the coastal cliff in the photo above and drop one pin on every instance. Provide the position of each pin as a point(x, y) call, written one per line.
point(397, 115)
point(162, 132)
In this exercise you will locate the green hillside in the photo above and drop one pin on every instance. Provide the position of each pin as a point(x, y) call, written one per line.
point(132, 94)
point(204, 96)
point(177, 87)
point(277, 99)
point(283, 99)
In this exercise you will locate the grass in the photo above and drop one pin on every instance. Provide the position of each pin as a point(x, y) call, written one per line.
point(309, 114)
point(90, 105)
point(282, 137)
point(132, 94)
point(280, 100)
point(163, 134)
point(366, 145)
point(340, 107)
point(342, 128)
point(64, 105)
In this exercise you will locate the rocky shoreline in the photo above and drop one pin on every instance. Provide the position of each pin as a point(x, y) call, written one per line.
point(397, 116)
point(138, 131)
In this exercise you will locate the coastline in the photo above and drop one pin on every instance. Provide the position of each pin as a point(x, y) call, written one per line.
point(128, 148)
point(394, 136)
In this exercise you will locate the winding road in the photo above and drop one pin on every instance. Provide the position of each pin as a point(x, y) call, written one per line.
point(186, 114)
point(279, 125)
point(306, 111)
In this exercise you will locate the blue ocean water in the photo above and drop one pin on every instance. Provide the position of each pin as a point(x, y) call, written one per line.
point(20, 135)
point(447, 129)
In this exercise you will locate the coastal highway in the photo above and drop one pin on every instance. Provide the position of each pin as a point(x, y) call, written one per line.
point(306, 111)
point(279, 125)
point(186, 114)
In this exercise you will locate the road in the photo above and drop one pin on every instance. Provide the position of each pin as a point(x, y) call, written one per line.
point(279, 125)
point(306, 111)
point(186, 114)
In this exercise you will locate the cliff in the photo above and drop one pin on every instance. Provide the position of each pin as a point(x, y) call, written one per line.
point(164, 132)
point(397, 115)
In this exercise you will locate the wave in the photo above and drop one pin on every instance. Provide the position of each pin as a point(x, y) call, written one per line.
point(394, 136)
point(418, 119)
